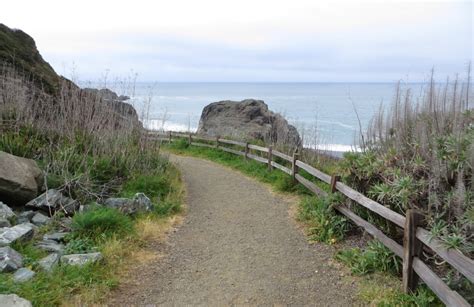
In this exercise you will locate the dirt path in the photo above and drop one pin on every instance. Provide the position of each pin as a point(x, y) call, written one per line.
point(238, 245)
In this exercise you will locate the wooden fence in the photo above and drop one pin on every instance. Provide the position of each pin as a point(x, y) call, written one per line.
point(415, 237)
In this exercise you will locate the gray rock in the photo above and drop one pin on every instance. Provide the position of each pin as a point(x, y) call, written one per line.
point(57, 236)
point(6, 212)
point(49, 262)
point(139, 203)
point(25, 216)
point(10, 259)
point(40, 219)
point(21, 232)
point(143, 201)
point(23, 275)
point(52, 201)
point(81, 259)
point(20, 179)
point(50, 246)
point(13, 300)
point(4, 223)
point(247, 120)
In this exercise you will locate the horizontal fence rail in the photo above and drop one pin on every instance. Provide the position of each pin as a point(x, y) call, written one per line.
point(415, 237)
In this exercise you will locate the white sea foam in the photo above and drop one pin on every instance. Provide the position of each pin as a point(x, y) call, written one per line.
point(154, 124)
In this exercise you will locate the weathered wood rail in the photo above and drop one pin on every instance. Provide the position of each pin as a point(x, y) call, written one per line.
point(415, 237)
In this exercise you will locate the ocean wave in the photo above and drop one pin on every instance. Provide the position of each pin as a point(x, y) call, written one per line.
point(153, 124)
point(335, 147)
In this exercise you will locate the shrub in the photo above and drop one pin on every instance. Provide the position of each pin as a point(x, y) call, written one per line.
point(101, 222)
point(376, 257)
point(325, 224)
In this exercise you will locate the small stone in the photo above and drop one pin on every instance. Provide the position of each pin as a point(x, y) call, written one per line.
point(49, 262)
point(6, 212)
point(23, 275)
point(23, 231)
point(57, 236)
point(25, 216)
point(4, 223)
point(52, 201)
point(13, 300)
point(50, 246)
point(40, 219)
point(139, 203)
point(10, 259)
point(81, 259)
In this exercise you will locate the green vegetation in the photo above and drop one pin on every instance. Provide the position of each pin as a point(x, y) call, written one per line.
point(100, 223)
point(90, 155)
point(323, 223)
point(374, 258)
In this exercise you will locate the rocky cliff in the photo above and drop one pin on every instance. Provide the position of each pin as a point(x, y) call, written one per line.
point(18, 53)
point(245, 120)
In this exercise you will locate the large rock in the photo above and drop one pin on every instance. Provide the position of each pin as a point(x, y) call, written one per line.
point(20, 179)
point(52, 201)
point(23, 275)
point(20, 232)
point(49, 262)
point(81, 259)
point(139, 203)
point(10, 259)
point(13, 300)
point(247, 120)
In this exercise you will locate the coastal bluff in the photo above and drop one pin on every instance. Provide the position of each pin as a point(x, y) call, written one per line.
point(245, 120)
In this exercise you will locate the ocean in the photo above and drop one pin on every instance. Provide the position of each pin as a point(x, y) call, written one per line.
point(323, 112)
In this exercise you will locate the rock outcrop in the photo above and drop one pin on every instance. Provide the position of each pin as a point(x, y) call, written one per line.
point(20, 179)
point(246, 120)
point(18, 51)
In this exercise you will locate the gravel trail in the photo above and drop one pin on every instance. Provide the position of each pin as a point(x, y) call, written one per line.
point(238, 245)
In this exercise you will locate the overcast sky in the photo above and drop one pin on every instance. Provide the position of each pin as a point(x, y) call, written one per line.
point(248, 40)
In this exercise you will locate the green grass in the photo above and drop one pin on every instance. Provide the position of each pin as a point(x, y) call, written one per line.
point(100, 223)
point(323, 222)
point(376, 257)
point(51, 289)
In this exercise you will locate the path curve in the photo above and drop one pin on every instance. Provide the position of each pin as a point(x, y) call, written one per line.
point(238, 245)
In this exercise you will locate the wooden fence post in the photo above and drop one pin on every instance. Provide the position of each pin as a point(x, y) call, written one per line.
point(217, 142)
point(246, 150)
point(294, 167)
point(412, 248)
point(334, 180)
point(270, 158)
point(190, 138)
point(170, 137)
